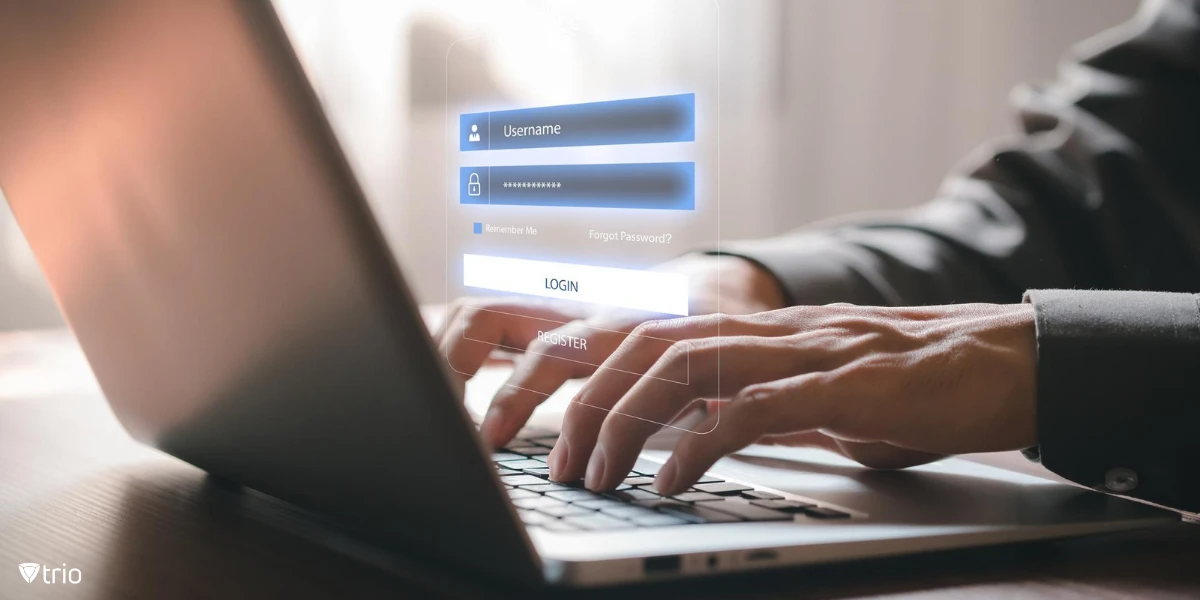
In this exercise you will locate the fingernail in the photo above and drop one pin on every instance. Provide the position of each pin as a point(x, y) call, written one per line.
point(595, 470)
point(558, 459)
point(666, 477)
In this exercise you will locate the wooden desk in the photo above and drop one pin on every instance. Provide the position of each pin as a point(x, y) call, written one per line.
point(138, 524)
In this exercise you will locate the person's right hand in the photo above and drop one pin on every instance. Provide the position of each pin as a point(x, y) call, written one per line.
point(475, 327)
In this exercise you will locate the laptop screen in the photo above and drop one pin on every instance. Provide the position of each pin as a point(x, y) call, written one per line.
point(208, 245)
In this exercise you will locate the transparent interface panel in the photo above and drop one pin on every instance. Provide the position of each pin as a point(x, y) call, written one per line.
point(583, 150)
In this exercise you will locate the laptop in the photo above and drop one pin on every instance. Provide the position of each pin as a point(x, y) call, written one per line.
point(209, 246)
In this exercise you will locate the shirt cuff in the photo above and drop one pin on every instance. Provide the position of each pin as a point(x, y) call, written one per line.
point(1117, 391)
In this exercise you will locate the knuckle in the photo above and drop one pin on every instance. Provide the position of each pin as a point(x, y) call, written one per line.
point(756, 392)
point(645, 329)
point(677, 353)
point(876, 362)
point(645, 336)
point(668, 327)
point(662, 327)
point(859, 343)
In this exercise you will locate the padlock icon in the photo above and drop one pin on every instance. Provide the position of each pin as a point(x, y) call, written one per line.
point(473, 185)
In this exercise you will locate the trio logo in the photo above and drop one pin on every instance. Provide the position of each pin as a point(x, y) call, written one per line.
point(29, 571)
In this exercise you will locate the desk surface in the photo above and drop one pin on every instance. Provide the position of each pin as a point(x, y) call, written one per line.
point(75, 489)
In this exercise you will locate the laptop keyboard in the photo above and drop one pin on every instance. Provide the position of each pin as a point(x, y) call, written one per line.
point(569, 507)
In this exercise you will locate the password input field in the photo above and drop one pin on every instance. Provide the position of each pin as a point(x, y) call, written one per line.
point(662, 186)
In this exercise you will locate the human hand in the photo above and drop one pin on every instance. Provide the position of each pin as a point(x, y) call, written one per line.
point(894, 385)
point(475, 327)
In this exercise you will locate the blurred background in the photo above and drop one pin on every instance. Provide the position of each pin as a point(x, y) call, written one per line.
point(827, 106)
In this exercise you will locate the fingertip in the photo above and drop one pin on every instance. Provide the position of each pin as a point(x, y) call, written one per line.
point(595, 470)
point(664, 482)
point(558, 460)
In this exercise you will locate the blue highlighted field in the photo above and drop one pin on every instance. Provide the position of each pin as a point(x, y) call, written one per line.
point(660, 186)
point(658, 119)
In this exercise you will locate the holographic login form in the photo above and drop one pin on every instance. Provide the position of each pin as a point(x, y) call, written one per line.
point(574, 187)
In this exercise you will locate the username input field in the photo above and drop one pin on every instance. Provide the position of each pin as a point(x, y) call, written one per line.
point(657, 119)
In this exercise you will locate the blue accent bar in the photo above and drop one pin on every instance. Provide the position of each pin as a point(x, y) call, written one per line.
point(661, 186)
point(659, 119)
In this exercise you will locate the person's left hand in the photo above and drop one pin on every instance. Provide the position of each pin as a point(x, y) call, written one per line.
point(886, 386)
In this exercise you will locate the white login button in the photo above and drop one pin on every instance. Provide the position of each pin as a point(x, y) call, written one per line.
point(652, 291)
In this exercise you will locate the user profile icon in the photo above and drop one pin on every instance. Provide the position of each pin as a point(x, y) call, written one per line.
point(474, 136)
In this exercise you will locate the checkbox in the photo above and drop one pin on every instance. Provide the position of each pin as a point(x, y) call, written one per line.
point(478, 228)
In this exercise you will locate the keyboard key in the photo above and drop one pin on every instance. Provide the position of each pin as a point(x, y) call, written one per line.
point(533, 451)
point(660, 503)
point(537, 503)
point(689, 497)
point(524, 463)
point(542, 472)
point(598, 504)
point(710, 479)
point(565, 510)
point(575, 495)
point(557, 525)
point(820, 512)
point(646, 467)
point(700, 513)
point(597, 522)
point(757, 495)
point(530, 517)
point(631, 495)
point(503, 456)
point(789, 506)
point(521, 480)
point(522, 450)
point(627, 511)
point(723, 489)
point(639, 480)
point(519, 494)
point(747, 511)
point(501, 471)
point(658, 520)
point(543, 487)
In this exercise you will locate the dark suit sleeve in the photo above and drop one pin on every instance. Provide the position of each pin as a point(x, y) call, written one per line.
point(1101, 191)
